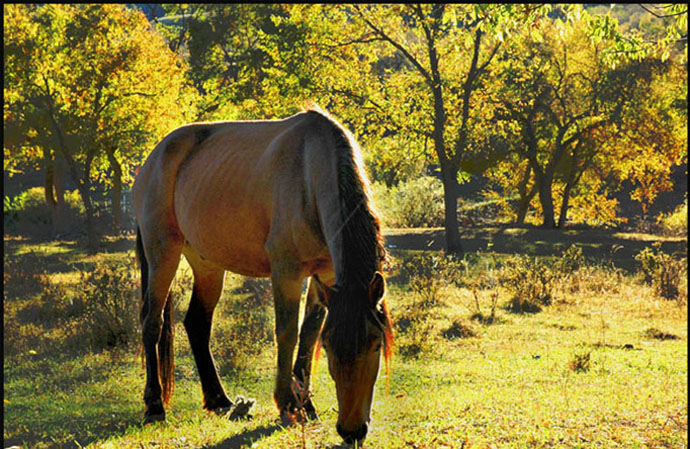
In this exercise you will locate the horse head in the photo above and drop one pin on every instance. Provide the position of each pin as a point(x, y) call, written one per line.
point(357, 331)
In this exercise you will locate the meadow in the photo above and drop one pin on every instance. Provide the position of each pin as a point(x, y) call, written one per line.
point(571, 344)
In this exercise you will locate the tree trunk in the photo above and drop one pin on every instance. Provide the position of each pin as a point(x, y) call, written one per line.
point(453, 245)
point(523, 207)
point(91, 235)
point(564, 205)
point(117, 189)
point(60, 224)
point(546, 200)
point(525, 196)
point(48, 187)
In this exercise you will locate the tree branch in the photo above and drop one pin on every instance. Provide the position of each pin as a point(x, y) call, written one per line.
point(662, 16)
point(397, 45)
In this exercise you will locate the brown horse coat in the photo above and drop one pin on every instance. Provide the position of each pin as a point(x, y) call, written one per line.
point(286, 199)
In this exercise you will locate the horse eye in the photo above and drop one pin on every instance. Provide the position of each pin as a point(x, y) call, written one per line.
point(377, 348)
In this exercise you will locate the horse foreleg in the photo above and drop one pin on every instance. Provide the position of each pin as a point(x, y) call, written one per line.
point(208, 284)
point(314, 315)
point(287, 287)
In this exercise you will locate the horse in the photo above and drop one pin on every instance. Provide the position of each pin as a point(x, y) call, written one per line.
point(286, 199)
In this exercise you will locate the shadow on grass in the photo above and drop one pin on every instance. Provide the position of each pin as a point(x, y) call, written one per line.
point(115, 425)
point(246, 438)
point(63, 259)
point(596, 244)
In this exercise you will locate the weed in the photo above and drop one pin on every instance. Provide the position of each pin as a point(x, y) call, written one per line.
point(479, 315)
point(243, 327)
point(415, 326)
point(659, 335)
point(110, 292)
point(580, 363)
point(428, 273)
point(570, 261)
point(531, 283)
point(458, 330)
point(663, 271)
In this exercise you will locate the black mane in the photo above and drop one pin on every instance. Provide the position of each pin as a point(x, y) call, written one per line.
point(362, 248)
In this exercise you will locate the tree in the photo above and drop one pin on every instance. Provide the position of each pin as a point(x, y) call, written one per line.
point(94, 85)
point(229, 64)
point(413, 74)
point(581, 121)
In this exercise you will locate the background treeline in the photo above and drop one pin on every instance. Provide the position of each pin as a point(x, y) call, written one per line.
point(526, 114)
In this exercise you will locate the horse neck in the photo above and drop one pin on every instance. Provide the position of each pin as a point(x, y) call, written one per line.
point(344, 213)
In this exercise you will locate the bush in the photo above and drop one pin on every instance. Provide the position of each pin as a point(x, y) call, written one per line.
point(28, 214)
point(663, 271)
point(428, 273)
point(571, 260)
point(410, 204)
point(243, 327)
point(676, 222)
point(24, 275)
point(581, 362)
point(111, 298)
point(415, 329)
point(531, 283)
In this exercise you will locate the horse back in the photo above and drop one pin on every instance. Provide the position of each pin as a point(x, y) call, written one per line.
point(226, 188)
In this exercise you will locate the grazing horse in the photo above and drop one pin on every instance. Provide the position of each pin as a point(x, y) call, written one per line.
point(286, 199)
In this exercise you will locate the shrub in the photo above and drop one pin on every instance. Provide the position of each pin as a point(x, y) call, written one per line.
point(24, 275)
point(415, 328)
point(663, 271)
point(580, 363)
point(458, 330)
point(571, 260)
point(27, 213)
point(414, 203)
point(531, 283)
point(428, 273)
point(110, 295)
point(243, 327)
point(676, 222)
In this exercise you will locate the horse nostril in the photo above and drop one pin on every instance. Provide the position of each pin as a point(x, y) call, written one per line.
point(351, 437)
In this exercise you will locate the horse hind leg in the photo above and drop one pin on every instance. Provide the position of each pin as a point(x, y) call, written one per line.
point(161, 264)
point(314, 315)
point(208, 284)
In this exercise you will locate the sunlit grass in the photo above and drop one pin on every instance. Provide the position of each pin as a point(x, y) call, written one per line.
point(510, 385)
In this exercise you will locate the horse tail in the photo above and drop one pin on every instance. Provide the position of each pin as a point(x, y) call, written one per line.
point(166, 359)
point(144, 271)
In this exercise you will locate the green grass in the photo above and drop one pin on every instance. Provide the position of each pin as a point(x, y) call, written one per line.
point(511, 385)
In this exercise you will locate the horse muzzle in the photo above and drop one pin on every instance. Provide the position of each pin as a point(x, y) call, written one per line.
point(350, 437)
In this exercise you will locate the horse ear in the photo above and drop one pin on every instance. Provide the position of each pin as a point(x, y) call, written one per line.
point(377, 286)
point(322, 290)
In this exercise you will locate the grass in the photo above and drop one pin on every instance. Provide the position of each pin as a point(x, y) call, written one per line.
point(511, 382)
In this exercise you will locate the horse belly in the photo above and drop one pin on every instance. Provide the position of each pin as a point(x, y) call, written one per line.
point(229, 241)
point(224, 220)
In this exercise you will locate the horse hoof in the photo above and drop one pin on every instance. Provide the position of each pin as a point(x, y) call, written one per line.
point(222, 411)
point(312, 415)
point(288, 418)
point(148, 419)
